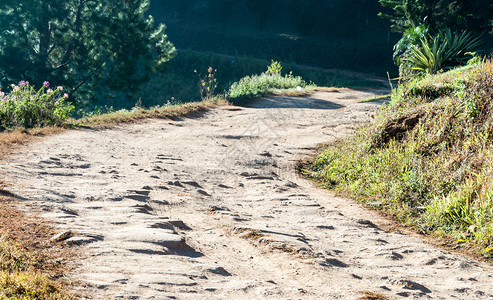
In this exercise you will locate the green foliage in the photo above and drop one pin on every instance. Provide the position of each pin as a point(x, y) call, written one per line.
point(427, 158)
point(416, 52)
point(411, 37)
point(443, 52)
point(460, 47)
point(399, 21)
point(474, 16)
point(262, 10)
point(93, 48)
point(430, 59)
point(319, 33)
point(265, 83)
point(275, 68)
point(24, 106)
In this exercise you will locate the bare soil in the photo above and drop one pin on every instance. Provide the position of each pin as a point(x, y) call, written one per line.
point(211, 207)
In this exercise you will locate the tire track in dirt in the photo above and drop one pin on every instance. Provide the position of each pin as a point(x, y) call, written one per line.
point(211, 208)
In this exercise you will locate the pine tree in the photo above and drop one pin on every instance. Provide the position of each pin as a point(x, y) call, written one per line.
point(86, 45)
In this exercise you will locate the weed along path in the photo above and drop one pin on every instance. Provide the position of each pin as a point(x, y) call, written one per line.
point(211, 207)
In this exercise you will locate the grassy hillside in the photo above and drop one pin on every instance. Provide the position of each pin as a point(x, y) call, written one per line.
point(427, 159)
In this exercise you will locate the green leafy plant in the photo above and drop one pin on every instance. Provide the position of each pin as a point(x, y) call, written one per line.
point(441, 52)
point(411, 37)
point(428, 59)
point(27, 107)
point(265, 83)
point(472, 16)
point(275, 68)
point(460, 47)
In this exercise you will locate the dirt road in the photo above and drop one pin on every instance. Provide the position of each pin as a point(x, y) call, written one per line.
point(211, 208)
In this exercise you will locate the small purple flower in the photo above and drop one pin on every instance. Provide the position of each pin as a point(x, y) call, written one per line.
point(65, 95)
point(60, 87)
point(23, 83)
point(46, 84)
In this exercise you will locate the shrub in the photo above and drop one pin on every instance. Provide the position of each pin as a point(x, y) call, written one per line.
point(27, 107)
point(265, 83)
point(411, 37)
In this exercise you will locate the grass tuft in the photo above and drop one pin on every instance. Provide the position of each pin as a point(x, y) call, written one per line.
point(30, 265)
point(372, 296)
point(376, 98)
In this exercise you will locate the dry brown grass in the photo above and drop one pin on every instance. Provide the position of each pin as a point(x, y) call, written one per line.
point(328, 89)
point(373, 296)
point(31, 266)
point(308, 91)
point(10, 140)
point(137, 114)
point(32, 234)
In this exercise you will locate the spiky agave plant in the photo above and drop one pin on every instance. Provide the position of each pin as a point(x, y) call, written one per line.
point(441, 52)
point(428, 59)
point(459, 46)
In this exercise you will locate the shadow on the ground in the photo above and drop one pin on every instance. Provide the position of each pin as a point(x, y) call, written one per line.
point(11, 195)
point(294, 102)
point(184, 250)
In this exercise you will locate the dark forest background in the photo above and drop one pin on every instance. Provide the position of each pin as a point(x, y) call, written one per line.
point(322, 33)
point(111, 55)
point(241, 37)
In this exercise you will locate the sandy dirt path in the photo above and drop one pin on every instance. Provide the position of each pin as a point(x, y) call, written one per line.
point(211, 208)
